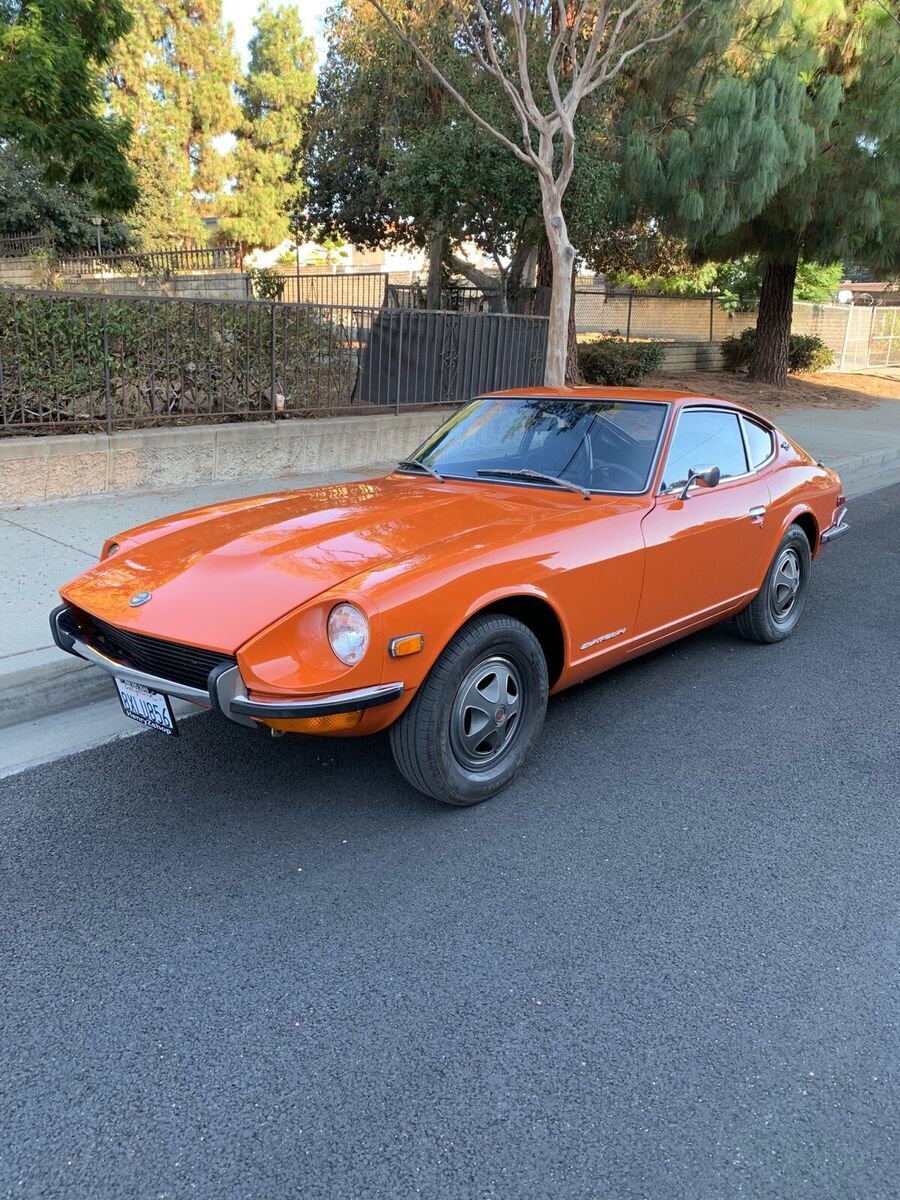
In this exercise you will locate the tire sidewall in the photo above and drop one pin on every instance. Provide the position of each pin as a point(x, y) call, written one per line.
point(795, 539)
point(458, 785)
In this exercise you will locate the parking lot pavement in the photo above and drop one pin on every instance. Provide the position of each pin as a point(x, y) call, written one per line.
point(663, 964)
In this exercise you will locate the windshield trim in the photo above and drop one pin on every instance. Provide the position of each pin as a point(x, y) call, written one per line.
point(651, 472)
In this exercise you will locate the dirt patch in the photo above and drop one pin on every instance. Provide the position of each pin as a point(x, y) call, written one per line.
point(825, 390)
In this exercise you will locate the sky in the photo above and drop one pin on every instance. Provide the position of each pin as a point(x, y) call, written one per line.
point(241, 13)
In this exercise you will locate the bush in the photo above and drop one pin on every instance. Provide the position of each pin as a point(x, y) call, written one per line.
point(806, 352)
point(613, 362)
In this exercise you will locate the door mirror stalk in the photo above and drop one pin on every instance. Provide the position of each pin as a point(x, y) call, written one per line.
point(708, 476)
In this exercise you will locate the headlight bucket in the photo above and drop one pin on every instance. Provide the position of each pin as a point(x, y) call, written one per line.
point(348, 633)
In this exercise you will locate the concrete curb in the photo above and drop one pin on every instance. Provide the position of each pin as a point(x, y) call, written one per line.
point(44, 681)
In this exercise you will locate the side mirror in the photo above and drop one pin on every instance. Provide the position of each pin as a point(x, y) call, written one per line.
point(708, 476)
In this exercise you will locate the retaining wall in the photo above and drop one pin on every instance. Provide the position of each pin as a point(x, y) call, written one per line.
point(58, 467)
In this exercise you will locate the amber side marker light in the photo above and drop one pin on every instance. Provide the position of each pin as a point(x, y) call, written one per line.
point(332, 724)
point(410, 643)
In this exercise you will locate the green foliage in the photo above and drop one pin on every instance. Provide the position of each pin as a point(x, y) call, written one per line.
point(50, 99)
point(739, 283)
point(275, 95)
point(265, 283)
point(171, 76)
point(29, 204)
point(806, 353)
point(390, 159)
point(168, 361)
point(613, 362)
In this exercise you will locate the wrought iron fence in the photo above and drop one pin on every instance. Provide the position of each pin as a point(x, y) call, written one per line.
point(155, 262)
point(21, 245)
point(366, 289)
point(469, 298)
point(75, 362)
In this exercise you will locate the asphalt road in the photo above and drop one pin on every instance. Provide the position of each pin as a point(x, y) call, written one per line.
point(665, 964)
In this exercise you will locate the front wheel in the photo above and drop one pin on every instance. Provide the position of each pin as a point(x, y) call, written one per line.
point(474, 720)
point(775, 610)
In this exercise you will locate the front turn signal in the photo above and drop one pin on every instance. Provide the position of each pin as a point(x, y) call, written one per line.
point(410, 643)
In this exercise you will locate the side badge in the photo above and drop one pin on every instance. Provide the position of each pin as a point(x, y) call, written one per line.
point(139, 598)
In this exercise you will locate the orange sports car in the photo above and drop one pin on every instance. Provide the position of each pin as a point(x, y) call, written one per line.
point(537, 538)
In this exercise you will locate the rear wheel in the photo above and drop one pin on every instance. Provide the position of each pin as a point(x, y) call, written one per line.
point(775, 610)
point(474, 720)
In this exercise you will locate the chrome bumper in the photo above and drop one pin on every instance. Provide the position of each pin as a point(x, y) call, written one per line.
point(839, 527)
point(225, 692)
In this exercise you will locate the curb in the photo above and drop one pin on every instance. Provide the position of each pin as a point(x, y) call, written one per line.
point(46, 681)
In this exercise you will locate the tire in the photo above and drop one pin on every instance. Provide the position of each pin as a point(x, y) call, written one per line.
point(774, 612)
point(473, 722)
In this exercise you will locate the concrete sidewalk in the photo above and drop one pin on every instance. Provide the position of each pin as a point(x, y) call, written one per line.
point(43, 545)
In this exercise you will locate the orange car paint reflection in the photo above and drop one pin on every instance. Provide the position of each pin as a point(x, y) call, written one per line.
point(257, 578)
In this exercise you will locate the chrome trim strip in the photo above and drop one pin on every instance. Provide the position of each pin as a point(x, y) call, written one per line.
point(317, 706)
point(72, 641)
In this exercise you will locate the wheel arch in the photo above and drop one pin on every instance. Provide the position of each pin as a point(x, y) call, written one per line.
point(538, 614)
point(810, 526)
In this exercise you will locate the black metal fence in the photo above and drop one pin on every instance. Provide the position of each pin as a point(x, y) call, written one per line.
point(21, 245)
point(154, 262)
point(532, 302)
point(364, 289)
point(75, 362)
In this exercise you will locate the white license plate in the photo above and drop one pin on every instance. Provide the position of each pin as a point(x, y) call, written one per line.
point(149, 708)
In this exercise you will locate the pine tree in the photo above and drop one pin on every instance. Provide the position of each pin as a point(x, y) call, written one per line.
point(274, 97)
point(172, 77)
point(790, 149)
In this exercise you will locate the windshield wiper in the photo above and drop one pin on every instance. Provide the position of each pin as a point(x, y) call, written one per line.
point(537, 476)
point(415, 462)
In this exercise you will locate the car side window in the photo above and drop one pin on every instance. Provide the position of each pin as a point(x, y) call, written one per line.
point(760, 442)
point(705, 438)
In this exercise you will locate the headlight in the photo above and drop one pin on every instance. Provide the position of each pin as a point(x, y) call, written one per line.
point(348, 633)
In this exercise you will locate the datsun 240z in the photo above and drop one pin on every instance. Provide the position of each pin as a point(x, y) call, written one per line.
point(537, 538)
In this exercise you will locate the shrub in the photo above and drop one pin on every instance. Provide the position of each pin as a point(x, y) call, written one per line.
point(613, 362)
point(806, 352)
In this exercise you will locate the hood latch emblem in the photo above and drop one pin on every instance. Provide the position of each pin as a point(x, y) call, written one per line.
point(139, 598)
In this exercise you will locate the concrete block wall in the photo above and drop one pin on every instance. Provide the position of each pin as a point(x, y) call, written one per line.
point(58, 467)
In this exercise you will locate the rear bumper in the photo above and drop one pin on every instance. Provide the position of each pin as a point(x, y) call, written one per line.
point(225, 693)
point(836, 530)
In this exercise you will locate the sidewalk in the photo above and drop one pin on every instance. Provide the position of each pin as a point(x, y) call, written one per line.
point(43, 545)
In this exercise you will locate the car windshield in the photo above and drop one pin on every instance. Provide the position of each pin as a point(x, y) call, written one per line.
point(600, 445)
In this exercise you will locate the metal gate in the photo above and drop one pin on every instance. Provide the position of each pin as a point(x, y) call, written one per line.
point(871, 338)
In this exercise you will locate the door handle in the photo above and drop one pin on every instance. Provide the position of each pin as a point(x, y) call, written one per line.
point(758, 514)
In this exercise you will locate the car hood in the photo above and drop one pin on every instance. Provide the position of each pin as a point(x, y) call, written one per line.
point(219, 575)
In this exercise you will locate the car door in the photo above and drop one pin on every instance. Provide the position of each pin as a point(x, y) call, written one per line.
point(707, 550)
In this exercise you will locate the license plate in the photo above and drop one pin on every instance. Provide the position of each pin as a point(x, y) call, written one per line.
point(149, 708)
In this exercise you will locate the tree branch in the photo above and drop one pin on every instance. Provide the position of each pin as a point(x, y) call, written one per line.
point(526, 156)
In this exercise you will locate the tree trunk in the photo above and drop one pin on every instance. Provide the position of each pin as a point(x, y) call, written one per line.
point(436, 248)
point(769, 362)
point(556, 266)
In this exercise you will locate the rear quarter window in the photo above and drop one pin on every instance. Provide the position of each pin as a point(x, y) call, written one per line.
point(760, 442)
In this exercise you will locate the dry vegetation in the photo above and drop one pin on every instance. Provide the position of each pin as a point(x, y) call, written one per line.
point(823, 390)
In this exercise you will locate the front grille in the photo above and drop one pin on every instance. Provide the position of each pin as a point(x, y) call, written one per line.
point(167, 660)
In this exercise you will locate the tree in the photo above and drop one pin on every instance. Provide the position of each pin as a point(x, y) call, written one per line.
point(29, 204)
point(50, 97)
point(544, 59)
point(274, 96)
point(792, 152)
point(171, 76)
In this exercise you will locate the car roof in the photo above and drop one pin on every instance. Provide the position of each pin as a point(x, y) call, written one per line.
point(589, 392)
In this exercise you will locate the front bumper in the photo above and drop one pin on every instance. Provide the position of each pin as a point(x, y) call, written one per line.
point(837, 529)
point(225, 693)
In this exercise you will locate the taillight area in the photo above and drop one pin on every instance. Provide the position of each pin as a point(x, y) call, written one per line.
point(840, 501)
